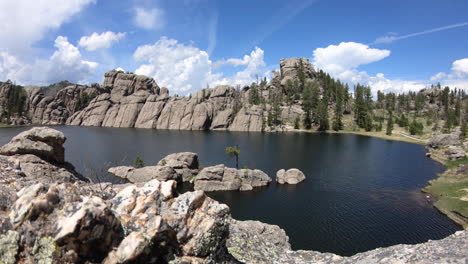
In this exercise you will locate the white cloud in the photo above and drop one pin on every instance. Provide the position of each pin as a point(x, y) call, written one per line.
point(65, 64)
point(380, 82)
point(176, 66)
point(457, 78)
point(255, 65)
point(8, 66)
point(96, 41)
point(438, 76)
point(460, 67)
point(185, 69)
point(342, 61)
point(23, 22)
point(346, 56)
point(149, 19)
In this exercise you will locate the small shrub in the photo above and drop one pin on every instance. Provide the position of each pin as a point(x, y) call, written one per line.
point(139, 163)
point(296, 123)
point(416, 128)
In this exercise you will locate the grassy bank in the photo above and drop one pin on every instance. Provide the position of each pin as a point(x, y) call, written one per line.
point(450, 188)
point(6, 125)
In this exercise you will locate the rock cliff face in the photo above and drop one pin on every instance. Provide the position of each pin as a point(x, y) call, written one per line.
point(137, 101)
point(130, 100)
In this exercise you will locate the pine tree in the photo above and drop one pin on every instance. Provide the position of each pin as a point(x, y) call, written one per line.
point(390, 124)
point(463, 130)
point(457, 112)
point(323, 116)
point(274, 115)
point(301, 76)
point(337, 121)
point(307, 105)
point(315, 98)
point(363, 107)
point(296, 123)
point(254, 95)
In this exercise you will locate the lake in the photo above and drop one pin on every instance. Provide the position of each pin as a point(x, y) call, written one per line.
point(360, 193)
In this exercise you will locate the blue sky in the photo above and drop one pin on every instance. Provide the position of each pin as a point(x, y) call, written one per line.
point(189, 44)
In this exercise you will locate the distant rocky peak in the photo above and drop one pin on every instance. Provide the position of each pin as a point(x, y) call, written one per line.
point(290, 69)
point(124, 84)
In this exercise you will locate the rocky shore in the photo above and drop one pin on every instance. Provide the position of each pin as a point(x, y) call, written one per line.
point(450, 188)
point(51, 214)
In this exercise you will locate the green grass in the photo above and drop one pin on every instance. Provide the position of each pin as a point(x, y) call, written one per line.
point(451, 164)
point(6, 125)
point(449, 189)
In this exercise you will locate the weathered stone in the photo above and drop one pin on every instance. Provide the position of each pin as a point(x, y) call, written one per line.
point(289, 69)
point(145, 174)
point(90, 229)
point(9, 247)
point(220, 178)
point(442, 140)
point(43, 142)
point(191, 225)
point(256, 242)
point(291, 176)
point(455, 153)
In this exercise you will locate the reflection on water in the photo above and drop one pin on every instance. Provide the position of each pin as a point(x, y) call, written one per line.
point(360, 192)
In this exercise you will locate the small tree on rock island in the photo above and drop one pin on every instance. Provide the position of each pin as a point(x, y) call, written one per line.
point(139, 163)
point(234, 152)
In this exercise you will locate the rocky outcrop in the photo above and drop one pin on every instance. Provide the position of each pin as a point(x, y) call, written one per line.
point(244, 236)
point(58, 224)
point(455, 153)
point(444, 140)
point(39, 153)
point(256, 242)
point(130, 100)
point(291, 176)
point(290, 70)
point(185, 164)
point(221, 178)
point(145, 174)
point(181, 167)
point(43, 142)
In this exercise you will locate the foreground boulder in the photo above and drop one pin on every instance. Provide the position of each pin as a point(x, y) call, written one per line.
point(38, 154)
point(291, 176)
point(59, 223)
point(221, 178)
point(43, 142)
point(257, 242)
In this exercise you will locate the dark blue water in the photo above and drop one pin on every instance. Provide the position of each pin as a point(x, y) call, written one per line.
point(360, 193)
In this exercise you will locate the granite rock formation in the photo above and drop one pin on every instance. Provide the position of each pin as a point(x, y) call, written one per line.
point(221, 178)
point(291, 176)
point(130, 100)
